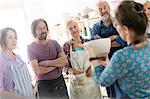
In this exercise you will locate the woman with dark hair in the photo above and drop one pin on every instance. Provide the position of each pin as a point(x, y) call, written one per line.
point(128, 66)
point(14, 76)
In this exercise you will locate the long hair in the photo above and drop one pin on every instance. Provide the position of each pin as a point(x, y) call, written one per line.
point(34, 26)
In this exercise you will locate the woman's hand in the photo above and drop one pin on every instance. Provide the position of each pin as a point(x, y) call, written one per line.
point(88, 72)
point(104, 60)
point(74, 71)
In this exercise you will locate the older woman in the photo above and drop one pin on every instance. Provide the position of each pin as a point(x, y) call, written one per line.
point(82, 84)
point(128, 66)
point(14, 76)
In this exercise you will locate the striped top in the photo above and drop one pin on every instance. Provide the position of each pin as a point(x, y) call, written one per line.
point(17, 73)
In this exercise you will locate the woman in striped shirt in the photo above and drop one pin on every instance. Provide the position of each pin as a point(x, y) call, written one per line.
point(14, 76)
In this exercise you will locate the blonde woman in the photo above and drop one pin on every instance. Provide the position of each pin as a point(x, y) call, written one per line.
point(82, 85)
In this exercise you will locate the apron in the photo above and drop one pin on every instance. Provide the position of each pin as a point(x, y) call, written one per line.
point(79, 60)
point(80, 86)
point(21, 78)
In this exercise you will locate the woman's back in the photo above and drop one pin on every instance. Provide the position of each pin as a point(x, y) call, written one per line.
point(135, 65)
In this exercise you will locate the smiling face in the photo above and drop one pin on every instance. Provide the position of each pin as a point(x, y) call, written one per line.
point(73, 28)
point(147, 9)
point(41, 31)
point(104, 10)
point(11, 40)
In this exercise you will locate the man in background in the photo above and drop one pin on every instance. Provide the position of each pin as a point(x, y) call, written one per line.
point(105, 29)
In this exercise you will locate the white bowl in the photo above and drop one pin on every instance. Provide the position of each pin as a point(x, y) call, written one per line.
point(99, 46)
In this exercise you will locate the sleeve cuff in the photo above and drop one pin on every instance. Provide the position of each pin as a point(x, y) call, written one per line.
point(99, 68)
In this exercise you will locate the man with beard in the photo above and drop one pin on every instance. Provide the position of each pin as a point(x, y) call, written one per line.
point(104, 28)
point(47, 60)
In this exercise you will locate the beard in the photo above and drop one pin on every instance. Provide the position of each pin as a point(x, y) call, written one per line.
point(105, 16)
point(42, 36)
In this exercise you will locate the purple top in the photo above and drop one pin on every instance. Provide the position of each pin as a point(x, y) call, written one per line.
point(6, 82)
point(48, 51)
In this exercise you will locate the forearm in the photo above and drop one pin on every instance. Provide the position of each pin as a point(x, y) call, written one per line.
point(59, 62)
point(99, 73)
point(40, 69)
point(104, 76)
point(10, 94)
point(121, 42)
point(44, 70)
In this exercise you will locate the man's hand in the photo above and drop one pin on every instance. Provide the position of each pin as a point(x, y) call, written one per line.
point(97, 36)
point(113, 37)
point(115, 44)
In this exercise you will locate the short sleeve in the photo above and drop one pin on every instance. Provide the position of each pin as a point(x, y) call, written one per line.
point(95, 30)
point(30, 53)
point(58, 48)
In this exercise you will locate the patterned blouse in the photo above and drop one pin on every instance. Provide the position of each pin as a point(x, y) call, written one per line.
point(131, 69)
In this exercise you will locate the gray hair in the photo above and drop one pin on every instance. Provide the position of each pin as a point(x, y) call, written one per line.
point(100, 2)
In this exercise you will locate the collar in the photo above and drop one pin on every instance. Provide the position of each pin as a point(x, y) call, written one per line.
point(83, 40)
point(102, 25)
point(135, 42)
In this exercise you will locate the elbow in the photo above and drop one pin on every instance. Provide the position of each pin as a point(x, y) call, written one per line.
point(38, 72)
point(103, 84)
